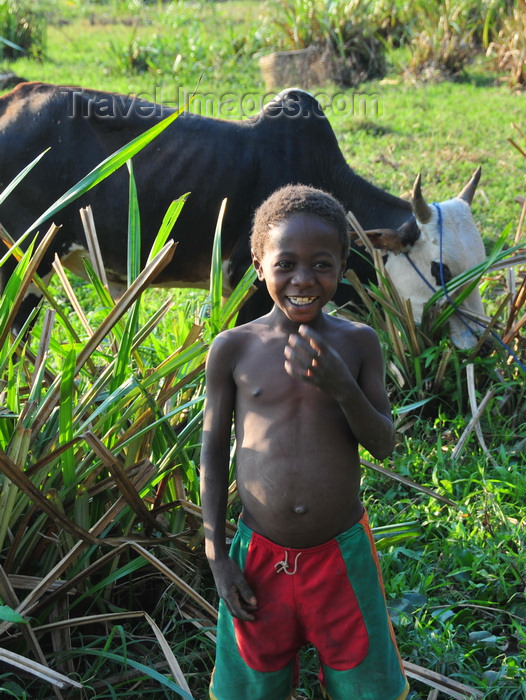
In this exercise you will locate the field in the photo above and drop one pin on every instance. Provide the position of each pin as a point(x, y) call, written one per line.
point(103, 579)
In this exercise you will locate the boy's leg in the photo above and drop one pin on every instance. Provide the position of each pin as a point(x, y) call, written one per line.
point(272, 653)
point(233, 679)
point(380, 675)
point(402, 696)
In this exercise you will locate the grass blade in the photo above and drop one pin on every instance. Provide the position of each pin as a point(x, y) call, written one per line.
point(43, 672)
point(106, 168)
point(146, 670)
point(67, 391)
point(216, 275)
point(170, 657)
point(167, 225)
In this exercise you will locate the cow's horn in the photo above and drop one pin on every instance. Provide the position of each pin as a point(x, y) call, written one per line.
point(420, 207)
point(469, 190)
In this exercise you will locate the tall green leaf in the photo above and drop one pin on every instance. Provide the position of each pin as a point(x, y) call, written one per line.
point(67, 397)
point(216, 274)
point(106, 168)
point(167, 225)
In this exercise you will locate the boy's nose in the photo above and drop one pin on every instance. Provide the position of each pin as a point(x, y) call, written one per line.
point(302, 276)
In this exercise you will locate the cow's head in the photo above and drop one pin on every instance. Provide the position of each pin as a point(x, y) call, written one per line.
point(438, 243)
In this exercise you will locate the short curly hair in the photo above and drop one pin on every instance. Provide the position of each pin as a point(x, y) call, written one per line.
point(298, 199)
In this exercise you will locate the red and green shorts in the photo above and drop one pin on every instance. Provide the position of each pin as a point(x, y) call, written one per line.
point(330, 597)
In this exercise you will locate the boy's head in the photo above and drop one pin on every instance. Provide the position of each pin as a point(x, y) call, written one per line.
point(298, 199)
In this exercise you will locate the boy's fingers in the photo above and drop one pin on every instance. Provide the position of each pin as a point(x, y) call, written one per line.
point(300, 355)
point(237, 608)
point(314, 339)
point(301, 350)
point(248, 595)
point(241, 614)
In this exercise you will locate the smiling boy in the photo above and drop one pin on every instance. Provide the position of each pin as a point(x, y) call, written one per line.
point(304, 389)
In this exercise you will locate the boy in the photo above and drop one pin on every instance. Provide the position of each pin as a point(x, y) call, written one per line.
point(304, 389)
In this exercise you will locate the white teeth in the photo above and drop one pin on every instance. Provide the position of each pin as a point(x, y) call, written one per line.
point(301, 301)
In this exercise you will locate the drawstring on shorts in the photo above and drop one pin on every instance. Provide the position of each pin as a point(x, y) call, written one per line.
point(284, 565)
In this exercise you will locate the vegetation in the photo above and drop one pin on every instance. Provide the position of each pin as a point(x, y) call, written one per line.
point(509, 45)
point(345, 32)
point(103, 582)
point(22, 30)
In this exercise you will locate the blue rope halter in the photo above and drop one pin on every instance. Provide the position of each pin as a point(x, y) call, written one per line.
point(461, 315)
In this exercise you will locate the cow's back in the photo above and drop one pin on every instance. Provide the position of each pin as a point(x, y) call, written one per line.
point(289, 141)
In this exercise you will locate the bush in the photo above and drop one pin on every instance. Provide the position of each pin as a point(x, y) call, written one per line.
point(508, 47)
point(22, 30)
point(443, 39)
point(344, 32)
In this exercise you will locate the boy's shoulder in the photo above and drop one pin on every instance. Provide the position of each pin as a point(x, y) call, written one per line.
point(237, 336)
point(337, 324)
point(351, 338)
point(245, 329)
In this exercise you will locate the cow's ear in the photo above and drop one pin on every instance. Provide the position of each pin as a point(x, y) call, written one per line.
point(386, 239)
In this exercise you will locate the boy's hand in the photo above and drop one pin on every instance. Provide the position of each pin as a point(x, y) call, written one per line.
point(310, 358)
point(233, 588)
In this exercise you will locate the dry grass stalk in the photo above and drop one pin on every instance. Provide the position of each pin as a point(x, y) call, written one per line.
point(144, 279)
point(441, 371)
point(88, 223)
point(39, 591)
point(38, 670)
point(451, 688)
point(90, 620)
point(123, 482)
point(29, 274)
point(408, 482)
point(77, 308)
point(19, 478)
point(8, 594)
point(173, 664)
point(171, 576)
point(472, 393)
point(61, 637)
point(472, 423)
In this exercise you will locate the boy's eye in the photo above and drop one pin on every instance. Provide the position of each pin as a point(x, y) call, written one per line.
point(323, 264)
point(284, 264)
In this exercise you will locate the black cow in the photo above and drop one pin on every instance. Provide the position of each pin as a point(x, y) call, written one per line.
point(289, 141)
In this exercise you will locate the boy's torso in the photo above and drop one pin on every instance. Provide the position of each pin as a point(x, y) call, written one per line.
point(297, 461)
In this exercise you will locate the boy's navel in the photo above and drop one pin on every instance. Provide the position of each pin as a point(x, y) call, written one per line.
point(299, 510)
point(257, 391)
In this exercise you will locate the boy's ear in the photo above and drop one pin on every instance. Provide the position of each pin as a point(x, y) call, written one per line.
point(257, 266)
point(342, 270)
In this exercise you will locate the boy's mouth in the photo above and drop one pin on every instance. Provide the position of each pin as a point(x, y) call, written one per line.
point(301, 301)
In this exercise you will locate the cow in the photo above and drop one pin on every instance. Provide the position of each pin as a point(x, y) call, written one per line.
point(289, 141)
point(422, 259)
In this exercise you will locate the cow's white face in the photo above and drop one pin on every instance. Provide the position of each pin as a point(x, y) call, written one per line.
point(448, 235)
point(462, 248)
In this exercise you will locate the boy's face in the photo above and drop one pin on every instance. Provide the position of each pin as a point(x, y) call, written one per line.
point(301, 265)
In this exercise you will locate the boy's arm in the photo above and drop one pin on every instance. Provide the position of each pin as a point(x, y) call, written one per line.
point(363, 399)
point(215, 458)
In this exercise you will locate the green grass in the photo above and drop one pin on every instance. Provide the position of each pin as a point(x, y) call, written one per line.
point(96, 42)
point(456, 591)
point(445, 131)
